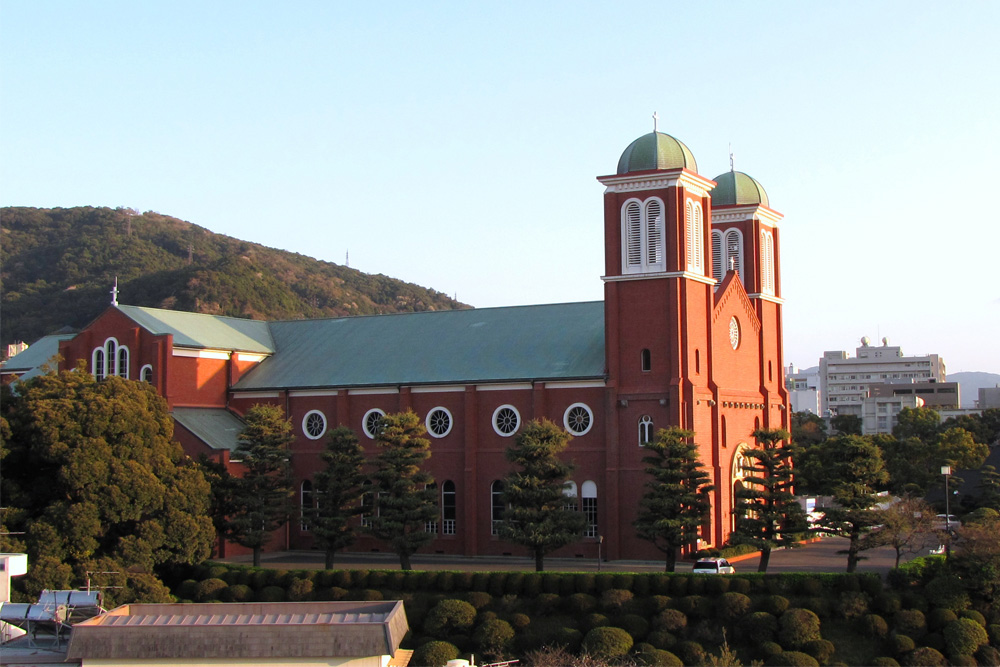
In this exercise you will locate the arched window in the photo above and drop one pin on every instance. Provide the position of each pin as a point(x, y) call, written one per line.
point(695, 237)
point(724, 430)
point(727, 253)
point(646, 360)
point(643, 236)
point(645, 430)
point(431, 526)
point(305, 504)
point(97, 363)
point(767, 262)
point(496, 507)
point(589, 492)
point(569, 497)
point(449, 508)
point(697, 361)
point(368, 504)
point(122, 371)
point(110, 359)
point(146, 374)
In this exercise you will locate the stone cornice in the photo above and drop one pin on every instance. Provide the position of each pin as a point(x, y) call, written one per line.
point(697, 277)
point(657, 180)
point(763, 214)
point(767, 297)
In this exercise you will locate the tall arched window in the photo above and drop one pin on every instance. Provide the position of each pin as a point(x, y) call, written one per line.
point(449, 508)
point(122, 371)
point(589, 493)
point(727, 253)
point(97, 363)
point(645, 430)
point(767, 262)
point(368, 507)
point(643, 236)
point(646, 360)
point(569, 497)
point(431, 526)
point(305, 504)
point(146, 374)
point(694, 237)
point(496, 507)
point(110, 359)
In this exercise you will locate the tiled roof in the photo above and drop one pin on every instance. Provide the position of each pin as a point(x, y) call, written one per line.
point(29, 362)
point(551, 342)
point(197, 330)
point(216, 427)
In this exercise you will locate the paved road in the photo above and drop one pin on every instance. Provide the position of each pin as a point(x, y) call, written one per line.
point(819, 556)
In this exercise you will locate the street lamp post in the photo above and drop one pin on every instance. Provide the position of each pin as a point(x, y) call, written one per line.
point(946, 471)
point(600, 541)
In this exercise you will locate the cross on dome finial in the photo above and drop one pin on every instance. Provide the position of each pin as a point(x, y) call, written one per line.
point(114, 293)
point(656, 117)
point(731, 167)
point(732, 263)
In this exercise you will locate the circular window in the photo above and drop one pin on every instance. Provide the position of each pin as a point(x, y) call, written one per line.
point(439, 422)
point(578, 419)
point(372, 422)
point(734, 333)
point(506, 420)
point(314, 424)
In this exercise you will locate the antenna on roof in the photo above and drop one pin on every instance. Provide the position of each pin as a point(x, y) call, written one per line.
point(731, 166)
point(347, 259)
point(656, 117)
point(114, 293)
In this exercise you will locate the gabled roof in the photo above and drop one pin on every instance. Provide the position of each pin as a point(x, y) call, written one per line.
point(198, 330)
point(520, 343)
point(216, 427)
point(28, 363)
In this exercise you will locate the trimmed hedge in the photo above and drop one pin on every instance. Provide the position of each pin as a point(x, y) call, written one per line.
point(607, 643)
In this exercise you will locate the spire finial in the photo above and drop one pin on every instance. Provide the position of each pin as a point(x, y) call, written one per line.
point(656, 117)
point(114, 293)
point(731, 167)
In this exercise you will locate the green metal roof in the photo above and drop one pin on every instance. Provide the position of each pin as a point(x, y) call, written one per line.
point(28, 363)
point(550, 342)
point(656, 150)
point(198, 330)
point(735, 187)
point(216, 427)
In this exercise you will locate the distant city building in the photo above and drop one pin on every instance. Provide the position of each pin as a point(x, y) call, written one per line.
point(880, 413)
point(803, 389)
point(15, 348)
point(989, 397)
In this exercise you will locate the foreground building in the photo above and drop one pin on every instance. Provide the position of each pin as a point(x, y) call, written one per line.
point(688, 334)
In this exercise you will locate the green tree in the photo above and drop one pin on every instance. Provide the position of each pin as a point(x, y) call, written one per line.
point(536, 516)
point(846, 424)
point(337, 488)
point(676, 502)
point(260, 498)
point(856, 474)
point(406, 497)
point(807, 429)
point(977, 558)
point(988, 489)
point(94, 479)
point(984, 427)
point(917, 423)
point(767, 514)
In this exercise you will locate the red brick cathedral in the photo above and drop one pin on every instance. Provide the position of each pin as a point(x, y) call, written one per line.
point(688, 334)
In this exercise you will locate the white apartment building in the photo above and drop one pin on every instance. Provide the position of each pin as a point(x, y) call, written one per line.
point(803, 388)
point(845, 382)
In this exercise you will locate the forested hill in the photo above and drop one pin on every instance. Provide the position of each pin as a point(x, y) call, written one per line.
point(58, 267)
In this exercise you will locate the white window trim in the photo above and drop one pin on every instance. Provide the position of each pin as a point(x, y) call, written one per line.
point(645, 419)
point(496, 413)
point(305, 421)
point(364, 421)
point(427, 422)
point(566, 419)
point(637, 234)
point(142, 373)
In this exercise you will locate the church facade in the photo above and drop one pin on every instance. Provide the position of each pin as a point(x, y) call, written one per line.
point(689, 334)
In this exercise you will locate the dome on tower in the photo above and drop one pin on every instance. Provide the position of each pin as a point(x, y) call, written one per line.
point(656, 150)
point(735, 187)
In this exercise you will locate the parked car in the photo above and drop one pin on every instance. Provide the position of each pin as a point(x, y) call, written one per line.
point(943, 521)
point(713, 566)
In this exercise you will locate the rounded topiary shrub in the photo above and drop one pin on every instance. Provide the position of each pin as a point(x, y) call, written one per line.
point(615, 599)
point(963, 636)
point(974, 615)
point(886, 604)
point(691, 652)
point(478, 599)
point(434, 654)
point(271, 594)
point(791, 659)
point(938, 618)
point(585, 583)
point(874, 626)
point(370, 595)
point(947, 592)
point(910, 622)
point(820, 606)
point(987, 655)
point(672, 620)
point(209, 589)
point(768, 649)
point(852, 604)
point(731, 606)
point(757, 626)
point(810, 587)
point(300, 590)
point(695, 606)
point(449, 617)
point(635, 625)
point(993, 631)
point(717, 585)
point(662, 639)
point(216, 572)
point(773, 604)
point(546, 603)
point(884, 661)
point(579, 603)
point(493, 637)
point(655, 657)
point(796, 627)
point(187, 589)
point(902, 644)
point(657, 603)
point(514, 583)
point(821, 649)
point(593, 620)
point(236, 593)
point(331, 593)
point(607, 643)
point(519, 621)
point(739, 585)
point(925, 656)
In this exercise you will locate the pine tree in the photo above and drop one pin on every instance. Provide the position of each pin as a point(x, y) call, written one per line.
point(260, 499)
point(337, 489)
point(676, 503)
point(536, 516)
point(767, 514)
point(407, 499)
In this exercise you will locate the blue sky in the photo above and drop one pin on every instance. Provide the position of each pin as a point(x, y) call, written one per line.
point(456, 145)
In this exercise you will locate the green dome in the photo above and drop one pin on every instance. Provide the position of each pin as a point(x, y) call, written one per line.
point(656, 150)
point(735, 187)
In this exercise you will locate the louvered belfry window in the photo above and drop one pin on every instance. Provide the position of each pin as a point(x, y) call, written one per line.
point(643, 236)
point(767, 262)
point(694, 236)
point(633, 224)
point(718, 259)
point(654, 233)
